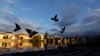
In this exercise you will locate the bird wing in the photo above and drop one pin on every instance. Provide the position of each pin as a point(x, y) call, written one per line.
point(56, 20)
point(15, 30)
point(17, 26)
point(52, 18)
point(55, 17)
point(61, 32)
point(63, 29)
point(29, 31)
point(30, 35)
point(34, 32)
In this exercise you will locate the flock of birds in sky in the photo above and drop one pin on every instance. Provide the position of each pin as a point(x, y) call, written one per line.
point(30, 32)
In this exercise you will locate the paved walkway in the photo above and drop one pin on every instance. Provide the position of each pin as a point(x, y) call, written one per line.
point(72, 51)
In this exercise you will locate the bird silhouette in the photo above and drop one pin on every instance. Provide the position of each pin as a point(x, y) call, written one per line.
point(55, 18)
point(62, 29)
point(17, 27)
point(30, 32)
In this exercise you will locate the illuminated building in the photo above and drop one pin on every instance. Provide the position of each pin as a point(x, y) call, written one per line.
point(38, 44)
point(38, 36)
point(7, 44)
point(38, 40)
point(24, 44)
point(22, 36)
point(2, 35)
point(6, 40)
point(11, 36)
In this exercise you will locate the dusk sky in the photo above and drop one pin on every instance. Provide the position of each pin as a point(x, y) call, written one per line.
point(81, 17)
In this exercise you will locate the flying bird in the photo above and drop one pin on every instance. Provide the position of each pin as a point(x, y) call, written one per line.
point(17, 27)
point(55, 18)
point(62, 29)
point(30, 32)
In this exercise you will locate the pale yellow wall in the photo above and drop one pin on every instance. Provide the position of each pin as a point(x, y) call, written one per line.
point(0, 44)
point(1, 35)
point(11, 36)
point(9, 44)
point(25, 45)
point(24, 36)
point(42, 36)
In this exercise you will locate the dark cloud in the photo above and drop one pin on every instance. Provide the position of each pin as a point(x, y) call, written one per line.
point(91, 19)
point(6, 28)
point(90, 25)
point(81, 30)
point(69, 16)
point(54, 30)
point(68, 19)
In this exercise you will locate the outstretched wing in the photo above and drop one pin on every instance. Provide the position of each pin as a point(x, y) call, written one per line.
point(34, 32)
point(30, 35)
point(61, 32)
point(55, 17)
point(17, 26)
point(15, 30)
point(29, 31)
point(52, 18)
point(63, 28)
point(56, 20)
